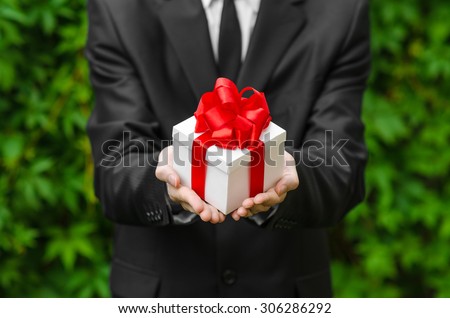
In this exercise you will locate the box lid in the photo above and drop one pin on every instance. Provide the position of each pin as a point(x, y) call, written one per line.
point(226, 160)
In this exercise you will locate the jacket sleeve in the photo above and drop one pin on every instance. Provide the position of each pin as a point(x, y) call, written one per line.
point(123, 131)
point(331, 173)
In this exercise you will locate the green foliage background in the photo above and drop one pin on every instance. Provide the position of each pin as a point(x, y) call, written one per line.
point(54, 241)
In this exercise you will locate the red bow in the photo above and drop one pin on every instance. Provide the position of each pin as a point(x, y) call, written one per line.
point(232, 121)
point(229, 120)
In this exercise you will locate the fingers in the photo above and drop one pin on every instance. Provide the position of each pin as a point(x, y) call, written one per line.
point(222, 217)
point(264, 201)
point(289, 181)
point(191, 202)
point(261, 203)
point(240, 213)
point(235, 216)
point(248, 203)
point(164, 170)
point(183, 195)
point(244, 213)
point(168, 175)
point(268, 198)
point(212, 215)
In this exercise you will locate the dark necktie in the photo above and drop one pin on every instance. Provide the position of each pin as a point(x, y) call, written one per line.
point(229, 42)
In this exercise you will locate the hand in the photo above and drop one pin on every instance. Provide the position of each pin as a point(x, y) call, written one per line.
point(262, 202)
point(183, 195)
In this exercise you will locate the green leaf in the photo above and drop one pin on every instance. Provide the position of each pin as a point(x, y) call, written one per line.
point(12, 148)
point(41, 165)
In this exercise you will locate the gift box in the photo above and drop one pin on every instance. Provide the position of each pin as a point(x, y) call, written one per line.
point(229, 150)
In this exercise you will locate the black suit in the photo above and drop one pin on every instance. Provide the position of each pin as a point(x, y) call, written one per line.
point(150, 61)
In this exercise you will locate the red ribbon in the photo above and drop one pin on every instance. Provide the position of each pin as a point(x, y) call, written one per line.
point(229, 120)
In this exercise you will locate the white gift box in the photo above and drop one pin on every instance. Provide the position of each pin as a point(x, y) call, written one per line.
point(227, 182)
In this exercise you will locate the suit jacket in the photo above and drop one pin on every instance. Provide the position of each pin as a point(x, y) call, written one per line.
point(150, 62)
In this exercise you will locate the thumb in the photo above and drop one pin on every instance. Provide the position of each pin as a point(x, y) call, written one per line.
point(168, 174)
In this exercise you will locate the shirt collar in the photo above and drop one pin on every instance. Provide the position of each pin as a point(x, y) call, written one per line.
point(206, 3)
point(254, 4)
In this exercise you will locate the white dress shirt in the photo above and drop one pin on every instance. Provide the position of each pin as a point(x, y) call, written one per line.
point(247, 11)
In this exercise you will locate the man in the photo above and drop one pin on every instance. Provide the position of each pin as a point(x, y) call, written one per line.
point(151, 60)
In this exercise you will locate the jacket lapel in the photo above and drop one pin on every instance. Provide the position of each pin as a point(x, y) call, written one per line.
point(277, 24)
point(187, 29)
